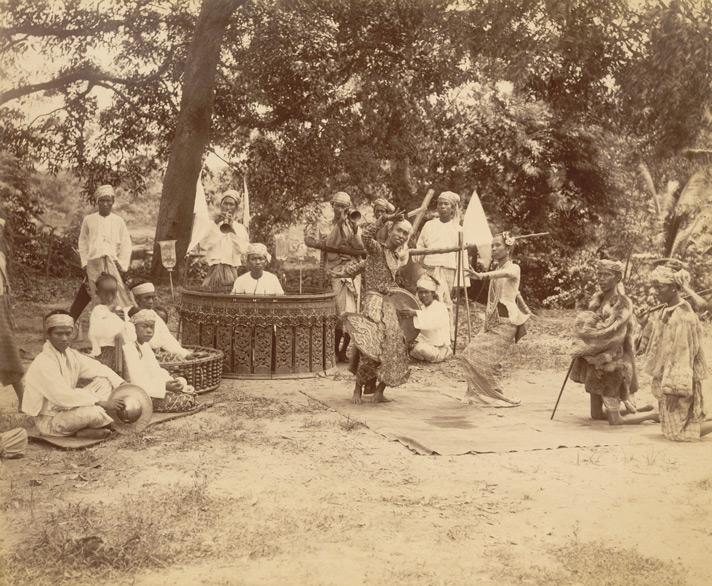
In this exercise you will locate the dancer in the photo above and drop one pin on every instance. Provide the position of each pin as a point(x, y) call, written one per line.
point(675, 359)
point(505, 318)
point(605, 362)
point(382, 355)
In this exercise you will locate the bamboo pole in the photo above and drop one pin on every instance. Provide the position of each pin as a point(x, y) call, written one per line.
point(464, 287)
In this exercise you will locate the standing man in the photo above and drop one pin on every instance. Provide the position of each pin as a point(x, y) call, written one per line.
point(104, 247)
point(342, 234)
point(442, 232)
point(225, 245)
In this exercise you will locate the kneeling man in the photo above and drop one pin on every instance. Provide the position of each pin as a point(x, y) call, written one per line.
point(52, 397)
point(168, 394)
point(433, 321)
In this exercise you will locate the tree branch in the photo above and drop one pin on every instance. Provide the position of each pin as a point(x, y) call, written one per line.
point(62, 32)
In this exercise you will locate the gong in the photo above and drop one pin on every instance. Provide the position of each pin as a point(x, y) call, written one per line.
point(403, 299)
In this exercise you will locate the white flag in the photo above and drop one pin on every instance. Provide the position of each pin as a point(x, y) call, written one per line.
point(476, 230)
point(245, 204)
point(202, 224)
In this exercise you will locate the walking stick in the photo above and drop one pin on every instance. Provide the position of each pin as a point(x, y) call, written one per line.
point(457, 307)
point(561, 392)
point(467, 297)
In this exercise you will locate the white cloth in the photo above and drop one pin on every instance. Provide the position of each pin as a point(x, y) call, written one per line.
point(433, 322)
point(505, 289)
point(437, 234)
point(267, 284)
point(429, 353)
point(226, 248)
point(347, 293)
point(144, 370)
point(51, 381)
point(164, 340)
point(105, 236)
point(70, 421)
point(4, 281)
point(104, 326)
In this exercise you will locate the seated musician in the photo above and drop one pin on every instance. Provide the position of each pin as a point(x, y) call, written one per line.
point(107, 321)
point(52, 396)
point(257, 281)
point(433, 321)
point(162, 341)
point(168, 394)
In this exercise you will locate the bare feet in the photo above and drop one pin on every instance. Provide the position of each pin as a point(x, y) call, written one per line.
point(89, 433)
point(356, 398)
point(379, 398)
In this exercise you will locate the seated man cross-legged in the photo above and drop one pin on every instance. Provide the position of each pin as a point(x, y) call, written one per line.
point(52, 396)
point(169, 394)
point(433, 321)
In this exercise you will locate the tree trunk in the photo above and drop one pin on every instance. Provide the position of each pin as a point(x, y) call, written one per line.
point(175, 215)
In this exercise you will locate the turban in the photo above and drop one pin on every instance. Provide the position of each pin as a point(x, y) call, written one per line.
point(258, 249)
point(384, 203)
point(57, 320)
point(231, 194)
point(13, 443)
point(143, 289)
point(428, 283)
point(450, 197)
point(612, 266)
point(667, 275)
point(342, 198)
point(143, 316)
point(104, 191)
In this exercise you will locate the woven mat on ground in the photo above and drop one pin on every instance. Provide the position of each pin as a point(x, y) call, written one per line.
point(79, 443)
point(434, 421)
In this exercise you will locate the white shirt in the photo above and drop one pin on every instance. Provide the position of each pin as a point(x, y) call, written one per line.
point(163, 339)
point(505, 290)
point(144, 370)
point(433, 322)
point(437, 234)
point(105, 325)
point(226, 248)
point(105, 236)
point(267, 284)
point(51, 380)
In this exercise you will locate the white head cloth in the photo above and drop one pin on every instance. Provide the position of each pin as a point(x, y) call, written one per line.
point(341, 197)
point(385, 204)
point(104, 191)
point(428, 283)
point(231, 194)
point(58, 320)
point(259, 249)
point(450, 197)
point(143, 289)
point(143, 316)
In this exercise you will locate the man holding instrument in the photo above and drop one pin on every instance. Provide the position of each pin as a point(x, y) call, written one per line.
point(343, 234)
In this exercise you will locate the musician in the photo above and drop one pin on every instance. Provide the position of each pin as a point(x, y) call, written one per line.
point(382, 357)
point(342, 234)
point(433, 321)
point(442, 232)
point(225, 245)
point(257, 281)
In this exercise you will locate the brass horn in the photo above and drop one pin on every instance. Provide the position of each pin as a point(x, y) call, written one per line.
point(354, 215)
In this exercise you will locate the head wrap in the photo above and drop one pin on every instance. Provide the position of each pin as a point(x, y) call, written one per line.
point(405, 223)
point(612, 266)
point(143, 316)
point(143, 289)
point(428, 283)
point(670, 275)
point(104, 191)
point(57, 320)
point(259, 249)
point(384, 203)
point(342, 198)
point(230, 194)
point(450, 197)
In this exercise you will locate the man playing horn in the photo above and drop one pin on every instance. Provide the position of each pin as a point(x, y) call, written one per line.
point(52, 395)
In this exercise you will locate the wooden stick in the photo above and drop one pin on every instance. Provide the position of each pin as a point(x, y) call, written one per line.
point(424, 251)
point(423, 208)
point(457, 307)
point(523, 236)
point(660, 306)
point(464, 287)
point(561, 392)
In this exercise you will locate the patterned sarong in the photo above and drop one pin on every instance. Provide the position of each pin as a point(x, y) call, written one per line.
point(221, 277)
point(11, 370)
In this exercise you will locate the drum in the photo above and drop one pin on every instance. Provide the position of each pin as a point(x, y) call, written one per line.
point(403, 299)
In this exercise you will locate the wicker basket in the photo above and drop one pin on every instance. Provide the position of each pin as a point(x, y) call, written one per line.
point(202, 373)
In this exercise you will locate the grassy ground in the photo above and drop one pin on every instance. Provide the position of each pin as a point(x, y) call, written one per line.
point(270, 487)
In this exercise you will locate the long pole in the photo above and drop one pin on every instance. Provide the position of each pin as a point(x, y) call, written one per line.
point(563, 386)
point(457, 307)
point(170, 276)
point(464, 286)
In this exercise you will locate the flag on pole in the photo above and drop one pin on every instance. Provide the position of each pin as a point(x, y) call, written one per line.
point(202, 224)
point(245, 204)
point(476, 229)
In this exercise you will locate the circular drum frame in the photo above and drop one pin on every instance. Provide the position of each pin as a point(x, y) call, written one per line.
point(262, 337)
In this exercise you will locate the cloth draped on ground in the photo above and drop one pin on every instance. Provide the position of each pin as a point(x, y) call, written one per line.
point(676, 363)
point(13, 443)
point(505, 316)
point(605, 360)
point(11, 369)
point(382, 350)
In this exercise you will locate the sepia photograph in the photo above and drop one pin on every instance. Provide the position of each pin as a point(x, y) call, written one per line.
point(355, 292)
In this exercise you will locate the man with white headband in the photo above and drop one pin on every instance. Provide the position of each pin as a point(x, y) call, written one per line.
point(145, 294)
point(104, 247)
point(169, 394)
point(342, 234)
point(257, 281)
point(225, 245)
point(442, 232)
point(675, 359)
point(433, 321)
point(52, 396)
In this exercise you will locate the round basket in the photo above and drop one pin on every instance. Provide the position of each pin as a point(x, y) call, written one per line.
point(203, 373)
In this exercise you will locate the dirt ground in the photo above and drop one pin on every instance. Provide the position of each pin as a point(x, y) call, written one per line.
point(271, 487)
